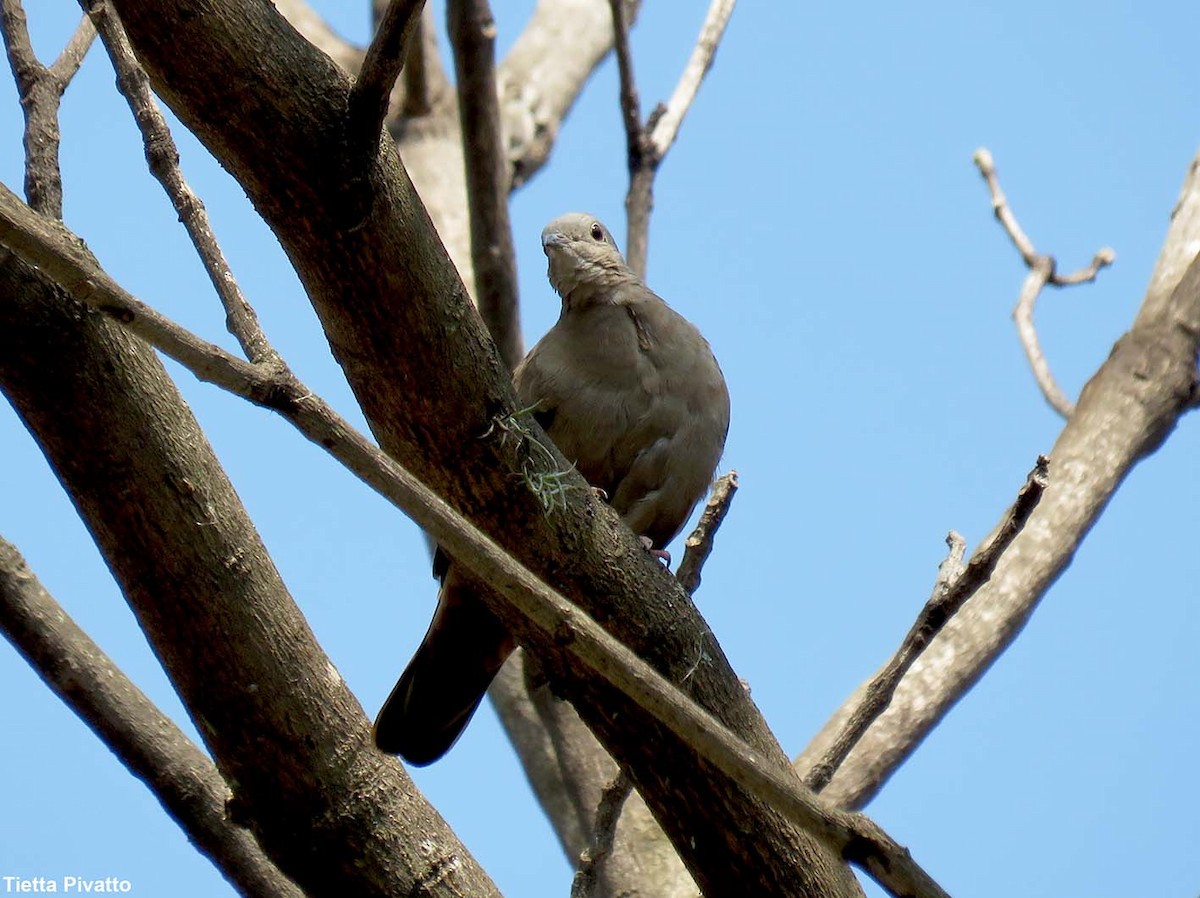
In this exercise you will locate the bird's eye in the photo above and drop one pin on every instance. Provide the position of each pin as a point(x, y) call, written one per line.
point(597, 231)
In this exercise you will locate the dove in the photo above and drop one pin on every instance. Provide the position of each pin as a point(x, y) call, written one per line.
point(630, 393)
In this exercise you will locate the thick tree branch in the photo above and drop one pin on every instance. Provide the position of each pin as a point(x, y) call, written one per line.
point(473, 37)
point(952, 589)
point(1042, 271)
point(317, 31)
point(44, 243)
point(147, 742)
point(1125, 412)
point(169, 523)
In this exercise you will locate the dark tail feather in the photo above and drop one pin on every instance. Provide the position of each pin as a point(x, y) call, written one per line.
point(446, 679)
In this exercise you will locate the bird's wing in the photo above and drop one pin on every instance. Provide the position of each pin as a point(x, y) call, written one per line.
point(634, 397)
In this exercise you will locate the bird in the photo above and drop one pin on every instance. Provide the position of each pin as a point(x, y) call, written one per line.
point(630, 393)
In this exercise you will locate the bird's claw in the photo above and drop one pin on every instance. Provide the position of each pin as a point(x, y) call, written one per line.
point(661, 554)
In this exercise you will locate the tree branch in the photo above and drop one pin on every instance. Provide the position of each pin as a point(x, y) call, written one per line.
point(544, 72)
point(145, 740)
point(1042, 271)
point(666, 127)
point(473, 37)
point(1125, 412)
point(647, 144)
point(700, 542)
point(316, 31)
point(163, 158)
point(608, 812)
point(951, 591)
point(416, 72)
point(40, 90)
point(639, 199)
point(380, 68)
point(71, 58)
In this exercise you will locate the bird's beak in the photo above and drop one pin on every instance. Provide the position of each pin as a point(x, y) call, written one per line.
point(552, 238)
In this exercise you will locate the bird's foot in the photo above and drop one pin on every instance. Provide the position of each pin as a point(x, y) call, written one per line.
point(661, 554)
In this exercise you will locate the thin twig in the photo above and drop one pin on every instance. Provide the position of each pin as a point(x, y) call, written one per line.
point(162, 157)
point(1043, 270)
point(380, 69)
point(61, 256)
point(954, 586)
point(473, 38)
point(699, 544)
point(608, 813)
point(1040, 272)
point(666, 128)
point(144, 739)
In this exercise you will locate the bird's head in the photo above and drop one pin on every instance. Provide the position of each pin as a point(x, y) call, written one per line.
point(582, 255)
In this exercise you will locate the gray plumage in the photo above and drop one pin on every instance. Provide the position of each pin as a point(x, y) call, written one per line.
point(631, 394)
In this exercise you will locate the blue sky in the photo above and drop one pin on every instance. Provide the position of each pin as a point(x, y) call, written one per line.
point(821, 221)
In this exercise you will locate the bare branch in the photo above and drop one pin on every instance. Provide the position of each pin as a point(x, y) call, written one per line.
point(640, 158)
point(699, 544)
point(1125, 412)
point(1039, 275)
point(22, 60)
point(473, 36)
point(608, 812)
point(163, 158)
point(647, 144)
point(416, 74)
point(631, 109)
point(53, 249)
point(544, 72)
point(71, 57)
point(1042, 271)
point(950, 592)
point(40, 90)
point(666, 128)
point(380, 68)
point(145, 740)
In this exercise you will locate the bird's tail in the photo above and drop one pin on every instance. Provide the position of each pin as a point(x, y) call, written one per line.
point(446, 679)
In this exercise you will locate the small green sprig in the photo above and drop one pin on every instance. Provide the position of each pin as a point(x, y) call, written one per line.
point(539, 468)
